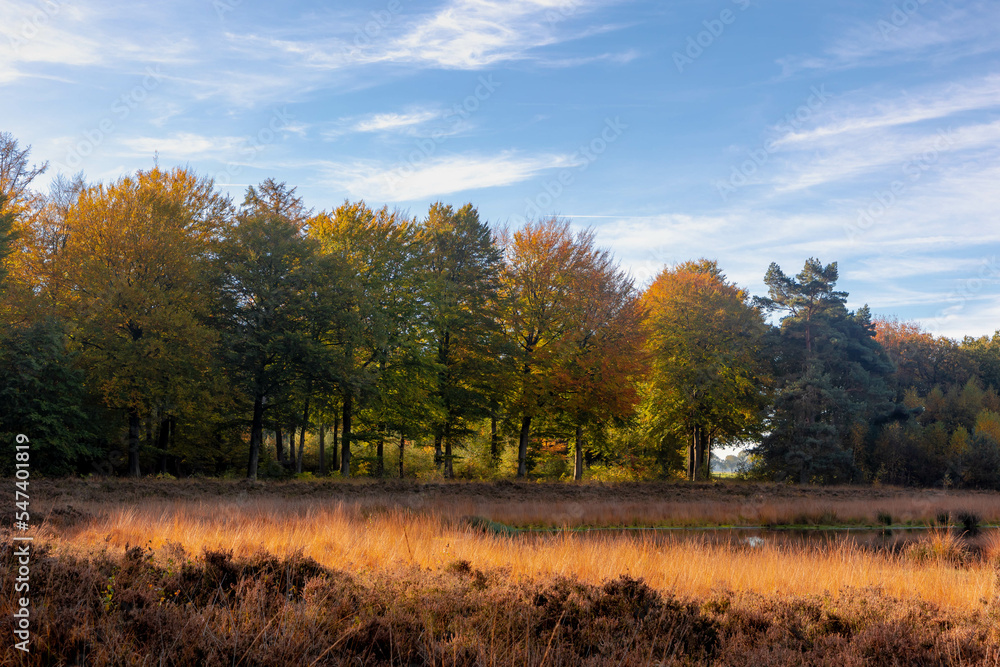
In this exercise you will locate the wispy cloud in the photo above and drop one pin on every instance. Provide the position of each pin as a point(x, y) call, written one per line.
point(905, 30)
point(382, 122)
point(437, 176)
point(473, 34)
point(907, 155)
point(416, 121)
point(51, 34)
point(878, 114)
point(182, 145)
point(462, 34)
point(77, 35)
point(865, 132)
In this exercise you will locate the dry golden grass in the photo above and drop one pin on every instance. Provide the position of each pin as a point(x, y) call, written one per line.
point(751, 511)
point(220, 573)
point(363, 539)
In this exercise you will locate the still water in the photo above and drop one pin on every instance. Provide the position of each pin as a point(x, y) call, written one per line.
point(878, 539)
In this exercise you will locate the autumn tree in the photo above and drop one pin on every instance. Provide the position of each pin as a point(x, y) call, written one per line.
point(546, 264)
point(462, 267)
point(377, 252)
point(922, 360)
point(604, 358)
point(16, 174)
point(6, 236)
point(19, 213)
point(135, 274)
point(267, 267)
point(708, 379)
point(983, 355)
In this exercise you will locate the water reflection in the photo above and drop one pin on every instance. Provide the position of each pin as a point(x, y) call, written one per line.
point(889, 539)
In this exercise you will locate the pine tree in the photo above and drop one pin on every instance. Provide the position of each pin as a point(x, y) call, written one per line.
point(832, 379)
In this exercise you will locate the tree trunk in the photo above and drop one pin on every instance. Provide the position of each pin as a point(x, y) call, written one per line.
point(170, 443)
point(302, 435)
point(291, 447)
point(808, 333)
point(494, 442)
point(578, 459)
point(699, 449)
point(449, 469)
point(708, 457)
point(322, 452)
point(256, 431)
point(279, 445)
point(438, 455)
point(692, 444)
point(402, 445)
point(134, 442)
point(522, 447)
point(302, 447)
point(163, 442)
point(345, 448)
point(336, 448)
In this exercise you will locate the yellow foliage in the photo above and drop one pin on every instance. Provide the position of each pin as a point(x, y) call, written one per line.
point(988, 423)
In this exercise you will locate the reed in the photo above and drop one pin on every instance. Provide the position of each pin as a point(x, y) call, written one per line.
point(358, 539)
point(216, 573)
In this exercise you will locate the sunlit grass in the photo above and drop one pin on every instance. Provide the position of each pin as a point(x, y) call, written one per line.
point(373, 540)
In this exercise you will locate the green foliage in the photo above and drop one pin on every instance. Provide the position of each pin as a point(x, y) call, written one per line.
point(708, 380)
point(462, 269)
point(43, 396)
point(265, 267)
point(152, 303)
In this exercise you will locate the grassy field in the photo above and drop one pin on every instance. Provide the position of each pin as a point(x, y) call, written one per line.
point(213, 572)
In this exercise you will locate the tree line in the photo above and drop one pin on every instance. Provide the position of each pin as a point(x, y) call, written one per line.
point(152, 325)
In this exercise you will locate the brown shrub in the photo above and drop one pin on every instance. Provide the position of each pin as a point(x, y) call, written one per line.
point(220, 610)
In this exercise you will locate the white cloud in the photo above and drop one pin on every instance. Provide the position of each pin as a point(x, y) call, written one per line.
point(936, 103)
point(472, 34)
point(183, 145)
point(80, 34)
point(463, 34)
point(413, 122)
point(906, 155)
point(864, 133)
point(382, 122)
point(48, 33)
point(438, 176)
point(897, 35)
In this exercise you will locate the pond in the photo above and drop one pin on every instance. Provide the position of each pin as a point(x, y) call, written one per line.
point(891, 539)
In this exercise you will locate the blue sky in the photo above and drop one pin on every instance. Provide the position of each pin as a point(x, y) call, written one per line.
point(749, 131)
